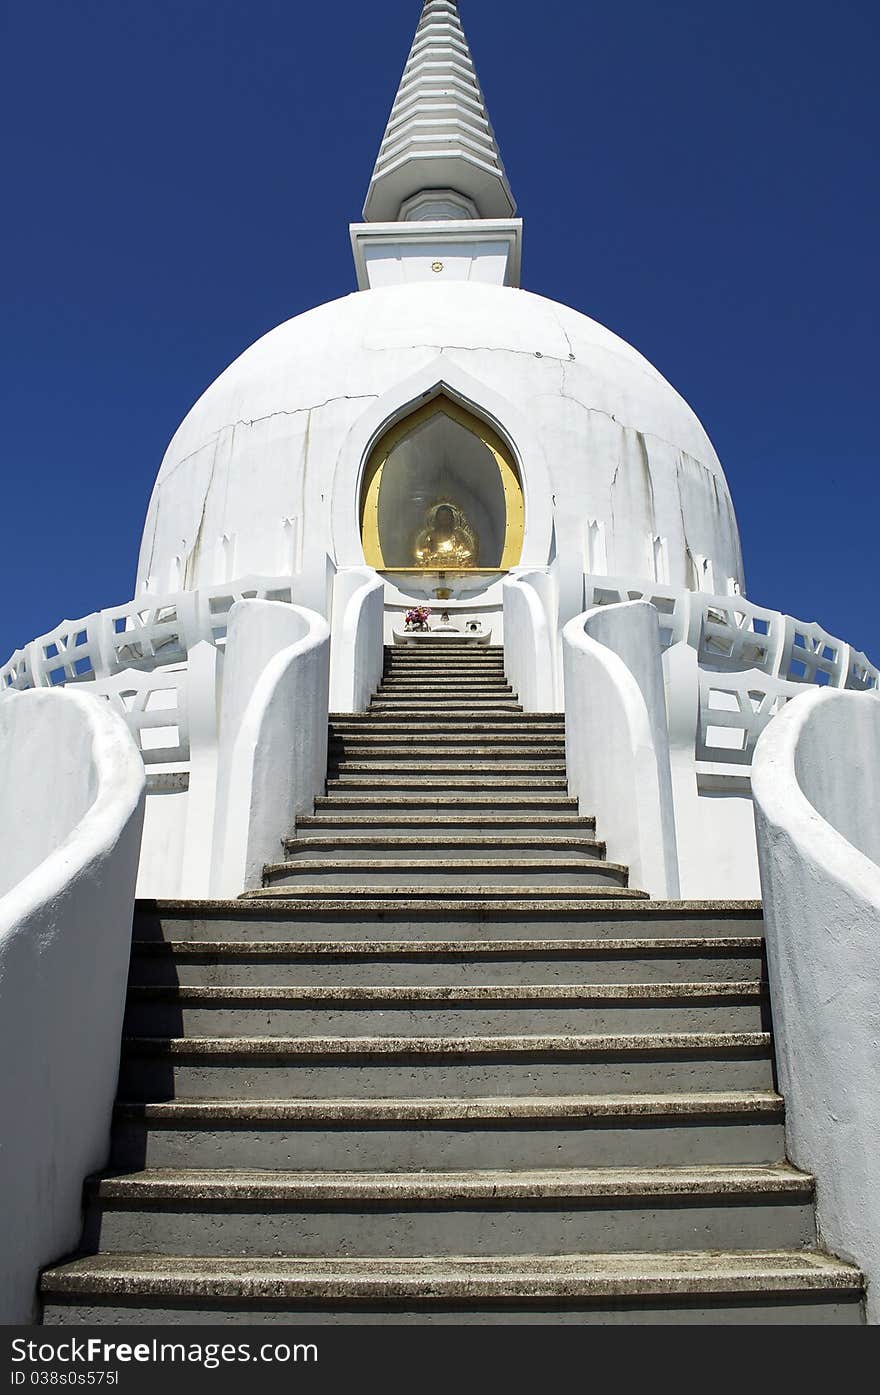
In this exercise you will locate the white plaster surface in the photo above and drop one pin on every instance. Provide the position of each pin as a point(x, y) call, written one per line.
point(273, 736)
point(283, 433)
point(816, 784)
point(715, 827)
point(71, 809)
point(356, 647)
point(617, 750)
point(531, 607)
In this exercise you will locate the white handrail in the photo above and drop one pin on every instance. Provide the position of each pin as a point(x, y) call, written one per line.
point(272, 758)
point(71, 812)
point(815, 782)
point(357, 653)
point(530, 645)
point(617, 742)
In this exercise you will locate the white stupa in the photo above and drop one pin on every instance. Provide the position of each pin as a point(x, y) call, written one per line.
point(559, 773)
point(570, 472)
point(607, 465)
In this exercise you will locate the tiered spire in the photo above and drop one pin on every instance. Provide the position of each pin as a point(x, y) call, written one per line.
point(439, 158)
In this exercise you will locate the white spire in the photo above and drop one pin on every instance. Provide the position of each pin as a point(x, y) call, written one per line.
point(439, 158)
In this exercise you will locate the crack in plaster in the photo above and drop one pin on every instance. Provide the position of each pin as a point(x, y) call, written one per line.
point(475, 349)
point(192, 555)
point(298, 411)
point(255, 421)
point(611, 488)
point(564, 332)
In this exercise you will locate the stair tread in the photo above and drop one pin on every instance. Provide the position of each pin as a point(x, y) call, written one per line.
point(568, 1044)
point(560, 802)
point(448, 840)
point(452, 864)
point(433, 820)
point(450, 1108)
point(547, 746)
point(445, 751)
point(417, 898)
point(200, 1184)
point(448, 765)
point(404, 735)
point(467, 1278)
point(665, 946)
point(733, 909)
point(751, 989)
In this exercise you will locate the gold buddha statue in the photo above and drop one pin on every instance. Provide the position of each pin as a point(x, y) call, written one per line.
point(446, 541)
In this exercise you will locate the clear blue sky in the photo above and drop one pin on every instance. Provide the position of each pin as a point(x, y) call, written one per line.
point(701, 177)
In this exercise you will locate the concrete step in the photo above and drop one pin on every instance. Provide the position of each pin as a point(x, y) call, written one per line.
point(461, 764)
point(157, 1010)
point(446, 644)
point(789, 1287)
point(449, 784)
point(417, 899)
point(465, 741)
point(445, 682)
point(458, 733)
point(495, 846)
point(776, 1287)
point(448, 681)
point(402, 821)
point(294, 1067)
point(516, 871)
point(565, 1131)
point(428, 668)
point(511, 713)
point(313, 918)
point(474, 655)
point(489, 1212)
point(506, 755)
point(455, 804)
point(429, 707)
point(389, 963)
point(489, 773)
point(458, 698)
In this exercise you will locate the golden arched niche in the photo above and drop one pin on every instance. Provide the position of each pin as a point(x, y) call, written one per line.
point(441, 492)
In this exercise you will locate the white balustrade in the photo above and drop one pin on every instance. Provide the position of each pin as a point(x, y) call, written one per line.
point(751, 662)
point(157, 662)
point(731, 634)
point(146, 633)
point(734, 710)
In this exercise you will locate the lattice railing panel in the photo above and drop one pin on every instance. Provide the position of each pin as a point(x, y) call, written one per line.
point(811, 655)
point(70, 652)
point(16, 674)
point(154, 707)
point(734, 710)
point(731, 634)
point(672, 606)
point(150, 632)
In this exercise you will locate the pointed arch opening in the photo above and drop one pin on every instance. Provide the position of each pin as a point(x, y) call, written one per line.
point(441, 492)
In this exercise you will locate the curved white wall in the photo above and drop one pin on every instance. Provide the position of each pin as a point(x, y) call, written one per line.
point(357, 654)
point(273, 736)
point(616, 739)
point(531, 650)
point(816, 786)
point(71, 811)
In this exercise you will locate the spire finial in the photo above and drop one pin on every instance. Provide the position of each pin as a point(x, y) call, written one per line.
point(439, 157)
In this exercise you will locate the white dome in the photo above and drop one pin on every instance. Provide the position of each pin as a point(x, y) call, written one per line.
point(255, 479)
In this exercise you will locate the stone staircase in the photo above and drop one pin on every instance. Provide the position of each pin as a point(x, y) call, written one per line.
point(447, 1066)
